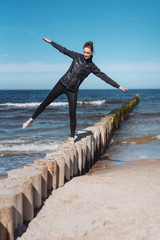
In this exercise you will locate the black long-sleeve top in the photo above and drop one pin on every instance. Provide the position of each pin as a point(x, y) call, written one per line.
point(80, 69)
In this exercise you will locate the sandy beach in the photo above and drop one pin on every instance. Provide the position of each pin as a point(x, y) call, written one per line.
point(112, 202)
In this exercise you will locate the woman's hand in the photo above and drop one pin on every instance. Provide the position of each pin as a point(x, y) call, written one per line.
point(47, 40)
point(123, 89)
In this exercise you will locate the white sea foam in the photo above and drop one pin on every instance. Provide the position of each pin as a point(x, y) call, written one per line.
point(98, 102)
point(143, 157)
point(112, 141)
point(157, 136)
point(53, 104)
point(28, 147)
point(18, 140)
point(33, 104)
point(2, 170)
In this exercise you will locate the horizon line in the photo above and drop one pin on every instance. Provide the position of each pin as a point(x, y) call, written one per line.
point(47, 89)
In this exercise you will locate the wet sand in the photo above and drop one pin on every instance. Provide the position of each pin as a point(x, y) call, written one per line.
point(110, 202)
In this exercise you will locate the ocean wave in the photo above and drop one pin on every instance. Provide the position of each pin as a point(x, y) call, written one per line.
point(141, 140)
point(33, 104)
point(19, 140)
point(150, 114)
point(2, 169)
point(98, 102)
point(27, 147)
point(157, 136)
point(57, 104)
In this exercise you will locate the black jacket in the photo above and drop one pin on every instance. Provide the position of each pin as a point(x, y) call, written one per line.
point(80, 69)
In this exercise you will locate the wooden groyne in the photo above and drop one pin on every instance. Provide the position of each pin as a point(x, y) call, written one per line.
point(24, 189)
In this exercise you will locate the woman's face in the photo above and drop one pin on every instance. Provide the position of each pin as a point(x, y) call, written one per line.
point(87, 52)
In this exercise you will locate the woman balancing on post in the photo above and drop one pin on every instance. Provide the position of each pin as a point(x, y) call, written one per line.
point(80, 68)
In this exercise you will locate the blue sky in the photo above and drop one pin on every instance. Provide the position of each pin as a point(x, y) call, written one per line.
point(126, 36)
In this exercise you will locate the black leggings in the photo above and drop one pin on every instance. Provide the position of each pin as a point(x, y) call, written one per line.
point(59, 89)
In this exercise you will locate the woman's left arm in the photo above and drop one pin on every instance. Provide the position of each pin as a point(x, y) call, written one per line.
point(96, 71)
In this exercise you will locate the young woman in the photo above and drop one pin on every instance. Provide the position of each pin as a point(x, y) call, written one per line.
point(80, 68)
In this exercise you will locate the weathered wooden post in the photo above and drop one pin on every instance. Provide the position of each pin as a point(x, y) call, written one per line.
point(25, 185)
point(6, 220)
point(52, 172)
point(14, 196)
point(35, 176)
point(44, 172)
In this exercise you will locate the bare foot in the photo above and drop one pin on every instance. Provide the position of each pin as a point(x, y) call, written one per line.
point(71, 141)
point(27, 123)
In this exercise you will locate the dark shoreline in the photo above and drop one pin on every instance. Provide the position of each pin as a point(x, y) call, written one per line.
point(3, 175)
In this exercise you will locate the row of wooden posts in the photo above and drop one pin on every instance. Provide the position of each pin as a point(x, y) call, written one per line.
point(25, 189)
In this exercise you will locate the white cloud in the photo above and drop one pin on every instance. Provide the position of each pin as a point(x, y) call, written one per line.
point(45, 67)
point(33, 67)
point(132, 67)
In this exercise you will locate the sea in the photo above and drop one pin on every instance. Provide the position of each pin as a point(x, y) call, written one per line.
point(137, 138)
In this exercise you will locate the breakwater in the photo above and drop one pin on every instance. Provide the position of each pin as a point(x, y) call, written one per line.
point(22, 192)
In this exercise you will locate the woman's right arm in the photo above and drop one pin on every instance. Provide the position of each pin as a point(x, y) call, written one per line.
point(62, 49)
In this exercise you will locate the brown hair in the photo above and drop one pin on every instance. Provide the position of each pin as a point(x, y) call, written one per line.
point(89, 44)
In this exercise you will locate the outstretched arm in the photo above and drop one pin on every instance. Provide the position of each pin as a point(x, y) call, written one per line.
point(62, 49)
point(96, 71)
